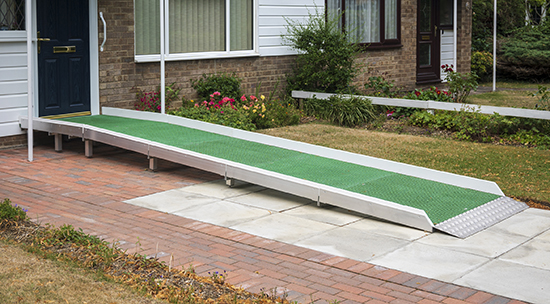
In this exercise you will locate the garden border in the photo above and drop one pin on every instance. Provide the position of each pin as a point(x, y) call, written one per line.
point(434, 105)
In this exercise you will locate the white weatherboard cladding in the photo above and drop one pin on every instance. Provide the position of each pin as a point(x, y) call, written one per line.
point(447, 49)
point(272, 22)
point(13, 81)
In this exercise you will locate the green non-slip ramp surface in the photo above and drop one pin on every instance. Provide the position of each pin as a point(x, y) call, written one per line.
point(440, 201)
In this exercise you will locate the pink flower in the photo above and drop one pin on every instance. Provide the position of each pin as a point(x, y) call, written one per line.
point(216, 93)
point(253, 97)
point(243, 98)
point(221, 112)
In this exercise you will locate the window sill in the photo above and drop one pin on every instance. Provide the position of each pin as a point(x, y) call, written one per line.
point(195, 56)
point(367, 47)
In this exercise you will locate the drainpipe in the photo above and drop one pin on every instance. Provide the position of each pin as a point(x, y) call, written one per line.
point(30, 114)
point(162, 61)
point(495, 48)
point(455, 33)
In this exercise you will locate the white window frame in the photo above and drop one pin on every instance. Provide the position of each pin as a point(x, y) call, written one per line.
point(205, 55)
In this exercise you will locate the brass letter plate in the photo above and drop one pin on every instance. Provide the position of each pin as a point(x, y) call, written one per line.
point(425, 38)
point(64, 49)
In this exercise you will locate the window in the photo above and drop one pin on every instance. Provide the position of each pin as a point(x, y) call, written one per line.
point(195, 29)
point(12, 15)
point(374, 23)
point(446, 14)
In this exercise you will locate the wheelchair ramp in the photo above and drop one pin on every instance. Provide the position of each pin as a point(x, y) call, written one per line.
point(404, 194)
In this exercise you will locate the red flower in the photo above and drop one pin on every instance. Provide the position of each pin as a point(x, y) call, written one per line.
point(416, 93)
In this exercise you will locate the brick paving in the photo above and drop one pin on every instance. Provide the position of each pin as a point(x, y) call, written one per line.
point(68, 188)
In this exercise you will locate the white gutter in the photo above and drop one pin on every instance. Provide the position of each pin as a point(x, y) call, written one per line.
point(455, 34)
point(162, 60)
point(30, 114)
point(495, 48)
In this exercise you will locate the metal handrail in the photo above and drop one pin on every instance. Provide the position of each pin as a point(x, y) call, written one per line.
point(104, 31)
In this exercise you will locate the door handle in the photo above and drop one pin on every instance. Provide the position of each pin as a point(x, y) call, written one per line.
point(104, 31)
point(40, 40)
point(435, 34)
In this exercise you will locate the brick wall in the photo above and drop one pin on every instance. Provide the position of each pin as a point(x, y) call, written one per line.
point(120, 75)
point(13, 141)
point(464, 37)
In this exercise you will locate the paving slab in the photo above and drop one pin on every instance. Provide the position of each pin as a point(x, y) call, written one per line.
point(491, 242)
point(271, 200)
point(431, 261)
point(325, 214)
point(284, 228)
point(511, 280)
point(223, 213)
point(171, 200)
point(530, 222)
point(219, 189)
point(535, 253)
point(380, 227)
point(352, 243)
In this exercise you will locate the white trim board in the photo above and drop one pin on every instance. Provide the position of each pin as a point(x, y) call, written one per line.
point(435, 105)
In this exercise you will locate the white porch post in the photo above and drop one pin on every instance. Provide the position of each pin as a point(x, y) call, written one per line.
point(162, 61)
point(495, 48)
point(30, 114)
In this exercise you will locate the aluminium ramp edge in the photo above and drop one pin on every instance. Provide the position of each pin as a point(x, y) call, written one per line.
point(390, 211)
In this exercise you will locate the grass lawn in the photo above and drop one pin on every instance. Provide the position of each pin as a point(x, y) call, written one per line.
point(520, 172)
point(509, 98)
point(513, 84)
point(514, 94)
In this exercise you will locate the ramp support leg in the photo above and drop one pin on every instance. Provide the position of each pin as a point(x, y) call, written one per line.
point(153, 163)
point(88, 148)
point(58, 142)
point(230, 182)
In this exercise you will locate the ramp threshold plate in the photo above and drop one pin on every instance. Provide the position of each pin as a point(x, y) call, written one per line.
point(386, 194)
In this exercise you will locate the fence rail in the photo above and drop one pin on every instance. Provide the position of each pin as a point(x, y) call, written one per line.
point(436, 105)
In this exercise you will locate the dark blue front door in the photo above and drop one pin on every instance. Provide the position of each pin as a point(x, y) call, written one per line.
point(64, 60)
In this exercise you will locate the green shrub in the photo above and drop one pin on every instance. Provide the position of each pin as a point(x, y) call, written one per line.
point(482, 64)
point(460, 85)
point(379, 86)
point(543, 94)
point(228, 85)
point(249, 113)
point(11, 213)
point(269, 113)
point(526, 53)
point(342, 110)
point(469, 124)
point(326, 56)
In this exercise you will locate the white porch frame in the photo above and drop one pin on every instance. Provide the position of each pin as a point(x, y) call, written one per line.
point(32, 64)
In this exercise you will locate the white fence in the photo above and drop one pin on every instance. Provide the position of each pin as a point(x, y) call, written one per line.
point(436, 105)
